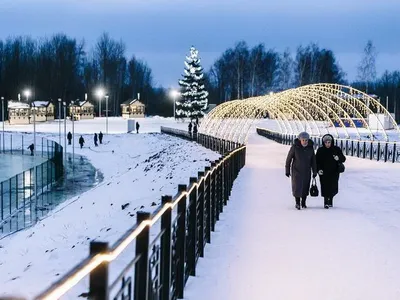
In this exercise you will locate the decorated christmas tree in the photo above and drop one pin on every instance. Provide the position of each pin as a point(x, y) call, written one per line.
point(193, 101)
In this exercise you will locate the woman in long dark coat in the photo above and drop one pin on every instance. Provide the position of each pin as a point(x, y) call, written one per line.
point(300, 162)
point(328, 158)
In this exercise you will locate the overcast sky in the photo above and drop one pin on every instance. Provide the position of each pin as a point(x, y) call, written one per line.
point(161, 32)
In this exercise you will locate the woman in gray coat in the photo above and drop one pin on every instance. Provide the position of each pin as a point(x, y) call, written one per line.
point(300, 162)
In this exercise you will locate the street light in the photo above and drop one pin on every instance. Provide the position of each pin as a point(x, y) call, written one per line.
point(2, 112)
point(106, 113)
point(59, 121)
point(100, 93)
point(174, 94)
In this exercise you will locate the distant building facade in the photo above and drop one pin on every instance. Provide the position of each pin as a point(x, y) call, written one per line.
point(81, 110)
point(20, 113)
point(132, 108)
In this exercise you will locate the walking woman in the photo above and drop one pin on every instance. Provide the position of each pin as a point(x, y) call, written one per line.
point(300, 163)
point(329, 158)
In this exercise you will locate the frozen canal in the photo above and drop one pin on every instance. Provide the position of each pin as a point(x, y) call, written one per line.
point(13, 164)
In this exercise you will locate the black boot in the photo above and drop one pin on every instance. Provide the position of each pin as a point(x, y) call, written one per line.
point(303, 202)
point(297, 203)
point(326, 202)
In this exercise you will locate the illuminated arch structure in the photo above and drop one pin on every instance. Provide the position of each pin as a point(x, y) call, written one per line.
point(316, 108)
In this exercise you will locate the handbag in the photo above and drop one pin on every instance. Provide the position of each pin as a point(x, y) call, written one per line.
point(341, 167)
point(314, 189)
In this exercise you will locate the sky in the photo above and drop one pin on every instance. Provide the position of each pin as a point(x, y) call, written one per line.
point(161, 32)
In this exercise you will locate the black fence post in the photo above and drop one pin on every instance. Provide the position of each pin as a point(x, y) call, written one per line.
point(225, 179)
point(192, 227)
point(394, 158)
point(181, 243)
point(364, 149)
point(217, 191)
point(212, 196)
point(166, 225)
point(207, 200)
point(386, 151)
point(98, 278)
point(201, 200)
point(142, 266)
point(379, 151)
point(371, 151)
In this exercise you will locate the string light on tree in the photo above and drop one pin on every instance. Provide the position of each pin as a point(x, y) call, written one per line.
point(193, 101)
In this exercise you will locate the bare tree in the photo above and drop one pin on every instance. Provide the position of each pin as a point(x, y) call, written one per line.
point(367, 66)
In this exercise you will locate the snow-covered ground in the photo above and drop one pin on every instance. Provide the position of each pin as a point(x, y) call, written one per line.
point(263, 248)
point(138, 169)
point(115, 125)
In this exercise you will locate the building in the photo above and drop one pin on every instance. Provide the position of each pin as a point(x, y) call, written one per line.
point(44, 111)
point(132, 108)
point(81, 110)
point(21, 113)
point(18, 112)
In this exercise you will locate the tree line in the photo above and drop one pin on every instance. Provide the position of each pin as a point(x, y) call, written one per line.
point(62, 67)
point(242, 71)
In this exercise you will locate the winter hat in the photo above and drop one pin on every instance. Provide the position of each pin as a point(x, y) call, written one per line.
point(304, 135)
point(327, 138)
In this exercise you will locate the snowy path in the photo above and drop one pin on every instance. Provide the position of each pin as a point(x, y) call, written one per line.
point(265, 249)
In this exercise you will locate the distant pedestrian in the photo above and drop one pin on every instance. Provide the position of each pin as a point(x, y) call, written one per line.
point(95, 139)
point(31, 147)
point(194, 129)
point(69, 137)
point(190, 128)
point(137, 127)
point(81, 141)
point(300, 163)
point(101, 137)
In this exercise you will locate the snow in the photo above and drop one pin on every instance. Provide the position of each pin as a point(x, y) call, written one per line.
point(17, 104)
point(265, 249)
point(41, 103)
point(115, 125)
point(138, 169)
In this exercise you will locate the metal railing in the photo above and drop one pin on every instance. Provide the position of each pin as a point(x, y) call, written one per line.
point(19, 206)
point(164, 256)
point(373, 150)
point(216, 144)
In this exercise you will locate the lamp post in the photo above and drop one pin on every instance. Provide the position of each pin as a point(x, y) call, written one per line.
point(65, 132)
point(174, 94)
point(59, 121)
point(27, 94)
point(100, 94)
point(2, 112)
point(106, 113)
point(73, 138)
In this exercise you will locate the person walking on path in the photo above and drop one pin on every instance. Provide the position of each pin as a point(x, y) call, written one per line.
point(329, 157)
point(137, 127)
point(69, 137)
point(300, 163)
point(190, 128)
point(81, 141)
point(95, 139)
point(101, 137)
point(31, 147)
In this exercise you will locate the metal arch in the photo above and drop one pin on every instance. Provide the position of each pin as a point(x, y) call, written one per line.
point(305, 95)
point(339, 89)
point(306, 104)
point(339, 110)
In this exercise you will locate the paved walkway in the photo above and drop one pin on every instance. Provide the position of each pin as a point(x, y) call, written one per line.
point(265, 249)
